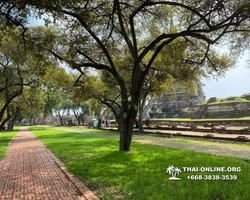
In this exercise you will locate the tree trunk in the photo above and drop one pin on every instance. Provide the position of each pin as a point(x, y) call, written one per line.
point(77, 117)
point(99, 123)
point(6, 119)
point(10, 125)
point(125, 139)
point(81, 119)
point(61, 121)
point(31, 117)
point(4, 109)
point(12, 122)
point(126, 127)
point(141, 118)
point(20, 119)
point(4, 122)
point(8, 97)
point(141, 110)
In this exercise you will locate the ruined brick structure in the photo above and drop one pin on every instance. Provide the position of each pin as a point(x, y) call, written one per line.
point(170, 105)
point(217, 111)
point(49, 120)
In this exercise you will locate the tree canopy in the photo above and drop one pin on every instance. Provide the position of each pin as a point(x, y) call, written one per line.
point(102, 34)
point(26, 73)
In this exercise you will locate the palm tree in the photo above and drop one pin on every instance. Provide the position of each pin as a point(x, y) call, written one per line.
point(177, 171)
point(171, 170)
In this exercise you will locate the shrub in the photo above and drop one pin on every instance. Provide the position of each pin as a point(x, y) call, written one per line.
point(230, 98)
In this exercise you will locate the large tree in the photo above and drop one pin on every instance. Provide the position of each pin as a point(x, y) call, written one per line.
point(96, 30)
point(13, 76)
point(23, 67)
point(29, 105)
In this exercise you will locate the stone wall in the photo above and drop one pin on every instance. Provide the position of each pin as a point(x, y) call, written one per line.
point(227, 110)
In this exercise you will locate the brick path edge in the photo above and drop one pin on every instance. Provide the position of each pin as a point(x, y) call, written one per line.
point(79, 184)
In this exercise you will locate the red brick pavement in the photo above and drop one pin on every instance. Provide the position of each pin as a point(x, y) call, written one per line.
point(30, 171)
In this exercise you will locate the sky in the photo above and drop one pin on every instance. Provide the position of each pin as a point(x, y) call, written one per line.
point(236, 81)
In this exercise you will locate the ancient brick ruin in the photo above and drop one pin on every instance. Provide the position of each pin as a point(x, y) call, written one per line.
point(213, 110)
point(171, 104)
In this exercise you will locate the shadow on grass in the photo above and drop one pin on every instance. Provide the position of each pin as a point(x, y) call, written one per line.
point(104, 131)
point(32, 128)
point(142, 174)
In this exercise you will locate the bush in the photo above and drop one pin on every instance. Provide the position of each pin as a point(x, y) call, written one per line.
point(230, 98)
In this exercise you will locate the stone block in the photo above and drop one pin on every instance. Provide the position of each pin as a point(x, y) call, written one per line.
point(213, 129)
point(209, 124)
point(147, 122)
point(223, 127)
point(210, 135)
point(186, 125)
point(242, 137)
point(193, 127)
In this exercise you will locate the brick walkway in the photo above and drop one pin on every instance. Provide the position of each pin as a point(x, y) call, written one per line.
point(30, 171)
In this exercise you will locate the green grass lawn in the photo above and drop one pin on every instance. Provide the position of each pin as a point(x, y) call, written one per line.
point(91, 130)
point(177, 139)
point(141, 175)
point(5, 138)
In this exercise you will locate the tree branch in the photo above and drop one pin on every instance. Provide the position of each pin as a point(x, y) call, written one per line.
point(78, 81)
point(108, 104)
point(113, 102)
point(17, 84)
point(123, 31)
point(85, 55)
point(84, 24)
point(174, 36)
point(150, 3)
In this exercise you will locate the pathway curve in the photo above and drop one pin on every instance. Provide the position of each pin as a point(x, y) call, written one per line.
point(215, 149)
point(30, 171)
